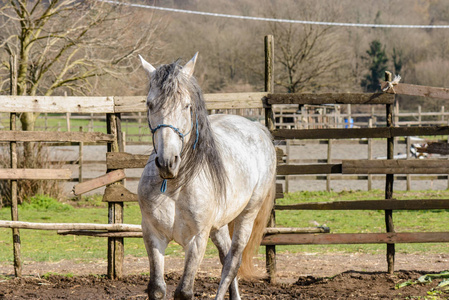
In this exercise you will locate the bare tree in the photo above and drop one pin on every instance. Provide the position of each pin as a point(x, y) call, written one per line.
point(305, 54)
point(64, 46)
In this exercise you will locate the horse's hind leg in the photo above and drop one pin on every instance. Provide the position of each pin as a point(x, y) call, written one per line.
point(194, 252)
point(222, 240)
point(156, 250)
point(241, 234)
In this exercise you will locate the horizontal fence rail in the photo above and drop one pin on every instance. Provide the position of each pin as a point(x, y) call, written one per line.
point(388, 204)
point(55, 136)
point(356, 238)
point(69, 226)
point(418, 90)
point(75, 104)
point(352, 133)
point(35, 174)
point(124, 230)
point(117, 104)
point(330, 98)
point(116, 160)
point(395, 166)
point(56, 104)
point(369, 167)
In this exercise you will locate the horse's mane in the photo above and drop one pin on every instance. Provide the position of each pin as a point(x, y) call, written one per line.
point(173, 84)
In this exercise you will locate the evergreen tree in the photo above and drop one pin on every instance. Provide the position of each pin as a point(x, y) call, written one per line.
point(397, 60)
point(377, 64)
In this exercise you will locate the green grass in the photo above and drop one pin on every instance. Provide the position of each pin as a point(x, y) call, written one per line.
point(368, 221)
point(75, 124)
point(130, 127)
point(41, 245)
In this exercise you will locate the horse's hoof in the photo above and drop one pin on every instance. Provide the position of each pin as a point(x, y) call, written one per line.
point(183, 295)
point(156, 295)
point(156, 292)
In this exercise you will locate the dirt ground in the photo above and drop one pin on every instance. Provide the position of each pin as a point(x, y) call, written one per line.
point(300, 276)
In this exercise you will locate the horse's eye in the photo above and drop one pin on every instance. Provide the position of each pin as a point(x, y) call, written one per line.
point(187, 106)
point(150, 106)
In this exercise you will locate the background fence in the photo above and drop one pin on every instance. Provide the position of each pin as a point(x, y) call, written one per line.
point(287, 117)
point(136, 133)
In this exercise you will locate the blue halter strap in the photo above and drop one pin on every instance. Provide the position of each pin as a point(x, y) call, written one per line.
point(181, 136)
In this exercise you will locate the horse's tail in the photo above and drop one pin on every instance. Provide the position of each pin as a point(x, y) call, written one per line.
point(247, 269)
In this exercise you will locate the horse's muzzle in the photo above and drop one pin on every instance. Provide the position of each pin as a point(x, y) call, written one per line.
point(168, 168)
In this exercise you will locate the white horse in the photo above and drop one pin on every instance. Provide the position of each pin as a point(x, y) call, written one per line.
point(207, 176)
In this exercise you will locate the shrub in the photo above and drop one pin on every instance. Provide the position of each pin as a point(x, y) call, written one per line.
point(45, 202)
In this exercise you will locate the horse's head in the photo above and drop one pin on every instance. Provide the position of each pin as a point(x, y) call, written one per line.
point(170, 114)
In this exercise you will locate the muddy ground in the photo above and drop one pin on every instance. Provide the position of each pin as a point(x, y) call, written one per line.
point(300, 276)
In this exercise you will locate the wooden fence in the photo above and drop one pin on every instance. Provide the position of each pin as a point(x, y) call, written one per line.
point(287, 117)
point(389, 166)
point(410, 148)
point(136, 132)
point(317, 116)
point(327, 151)
point(112, 107)
point(116, 194)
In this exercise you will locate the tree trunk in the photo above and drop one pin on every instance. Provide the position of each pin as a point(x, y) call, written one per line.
point(28, 122)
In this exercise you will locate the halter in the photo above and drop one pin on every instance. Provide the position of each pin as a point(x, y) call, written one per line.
point(181, 136)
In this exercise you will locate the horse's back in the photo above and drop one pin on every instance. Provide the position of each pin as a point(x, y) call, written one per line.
point(231, 127)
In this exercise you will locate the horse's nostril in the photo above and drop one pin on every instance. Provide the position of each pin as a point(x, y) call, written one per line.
point(174, 162)
point(156, 161)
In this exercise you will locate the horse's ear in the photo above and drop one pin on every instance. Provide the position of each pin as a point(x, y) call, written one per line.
point(190, 66)
point(147, 66)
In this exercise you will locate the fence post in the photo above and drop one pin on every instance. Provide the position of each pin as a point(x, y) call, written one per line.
point(80, 162)
point(270, 251)
point(67, 117)
point(91, 123)
point(407, 151)
point(389, 183)
point(419, 116)
point(396, 112)
point(370, 154)
point(269, 80)
point(287, 177)
point(305, 117)
point(115, 209)
point(122, 148)
point(13, 164)
point(447, 141)
point(349, 115)
point(329, 160)
point(139, 122)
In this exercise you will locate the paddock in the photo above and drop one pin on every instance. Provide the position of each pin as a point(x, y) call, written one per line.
point(118, 160)
point(328, 276)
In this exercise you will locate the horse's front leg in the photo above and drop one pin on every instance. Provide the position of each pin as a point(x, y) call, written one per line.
point(156, 249)
point(194, 252)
